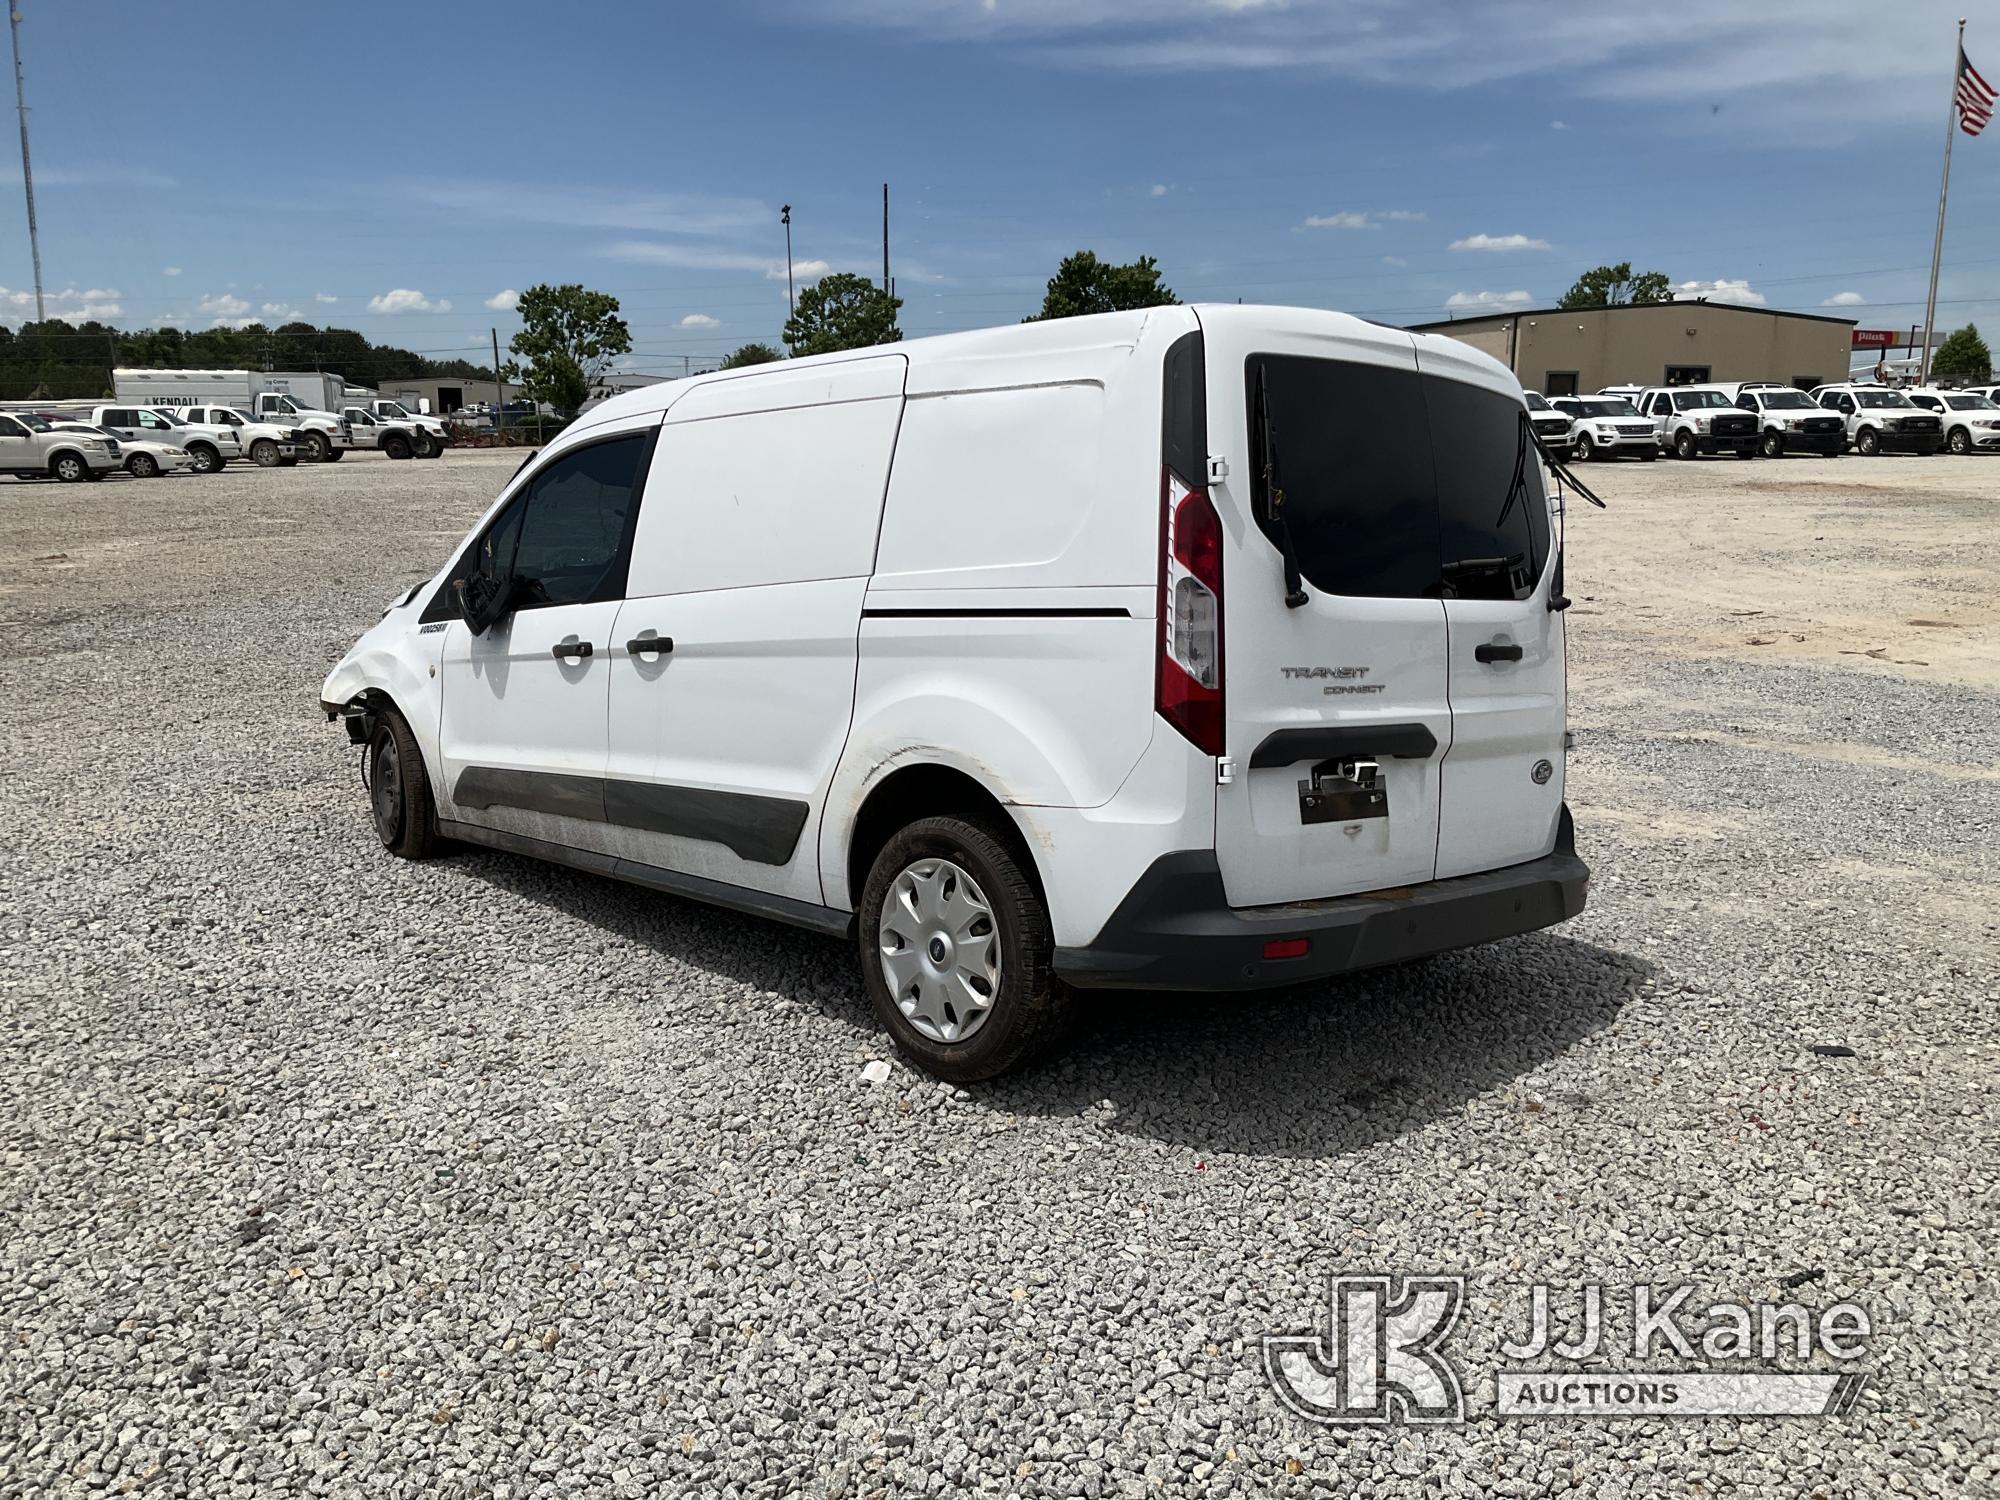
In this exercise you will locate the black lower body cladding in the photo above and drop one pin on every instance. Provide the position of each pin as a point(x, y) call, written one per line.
point(1175, 930)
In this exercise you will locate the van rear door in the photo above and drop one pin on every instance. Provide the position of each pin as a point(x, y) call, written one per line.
point(1335, 711)
point(1502, 783)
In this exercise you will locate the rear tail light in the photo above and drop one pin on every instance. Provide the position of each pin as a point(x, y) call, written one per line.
point(1188, 686)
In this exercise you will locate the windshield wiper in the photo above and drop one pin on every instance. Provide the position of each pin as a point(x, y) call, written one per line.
point(1274, 497)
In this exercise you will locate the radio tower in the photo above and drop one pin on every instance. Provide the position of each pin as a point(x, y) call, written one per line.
point(27, 170)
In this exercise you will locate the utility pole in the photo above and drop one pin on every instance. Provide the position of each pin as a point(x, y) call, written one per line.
point(886, 289)
point(27, 168)
point(791, 298)
point(499, 390)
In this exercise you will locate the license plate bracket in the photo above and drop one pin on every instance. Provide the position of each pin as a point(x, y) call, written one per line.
point(1343, 791)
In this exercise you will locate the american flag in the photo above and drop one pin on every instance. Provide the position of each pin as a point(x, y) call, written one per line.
point(1974, 97)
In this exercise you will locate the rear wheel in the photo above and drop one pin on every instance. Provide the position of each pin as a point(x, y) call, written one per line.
point(399, 791)
point(69, 468)
point(956, 949)
point(319, 445)
point(396, 445)
point(264, 454)
point(142, 466)
point(204, 458)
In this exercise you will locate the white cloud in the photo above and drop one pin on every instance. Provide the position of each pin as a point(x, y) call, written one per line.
point(1845, 299)
point(1722, 52)
point(233, 322)
point(1499, 242)
point(1159, 190)
point(71, 304)
point(1404, 215)
point(1558, 125)
point(222, 305)
point(1736, 292)
point(711, 258)
point(1487, 301)
point(281, 312)
point(505, 301)
point(406, 299)
point(326, 297)
point(1394, 260)
point(1345, 219)
point(170, 270)
point(700, 320)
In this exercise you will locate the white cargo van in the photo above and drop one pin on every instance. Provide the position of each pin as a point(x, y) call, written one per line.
point(1080, 653)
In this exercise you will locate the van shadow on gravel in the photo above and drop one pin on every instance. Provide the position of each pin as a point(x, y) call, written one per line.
point(1317, 1071)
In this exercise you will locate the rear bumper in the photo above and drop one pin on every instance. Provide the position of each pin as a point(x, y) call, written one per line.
point(1175, 930)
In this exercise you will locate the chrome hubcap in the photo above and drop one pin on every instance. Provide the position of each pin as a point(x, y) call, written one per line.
point(940, 950)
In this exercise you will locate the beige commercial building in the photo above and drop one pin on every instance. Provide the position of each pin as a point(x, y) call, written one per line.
point(1664, 343)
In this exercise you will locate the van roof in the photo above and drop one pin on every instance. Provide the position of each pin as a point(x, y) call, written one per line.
point(1021, 354)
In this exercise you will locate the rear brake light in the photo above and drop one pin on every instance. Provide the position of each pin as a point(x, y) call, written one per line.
point(1287, 948)
point(1188, 685)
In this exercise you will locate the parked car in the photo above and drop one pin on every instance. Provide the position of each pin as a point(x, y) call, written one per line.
point(753, 637)
point(1790, 421)
point(1698, 419)
point(1606, 427)
point(1550, 425)
point(1971, 421)
point(142, 458)
point(269, 445)
point(1624, 392)
point(1881, 420)
point(209, 445)
point(32, 448)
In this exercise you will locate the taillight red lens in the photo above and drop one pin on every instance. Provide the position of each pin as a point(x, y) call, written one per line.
point(1287, 948)
point(1188, 684)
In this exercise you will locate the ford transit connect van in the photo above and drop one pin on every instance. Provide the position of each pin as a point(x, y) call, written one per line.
point(1193, 648)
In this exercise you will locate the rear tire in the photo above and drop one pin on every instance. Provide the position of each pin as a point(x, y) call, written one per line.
point(142, 466)
point(399, 790)
point(952, 904)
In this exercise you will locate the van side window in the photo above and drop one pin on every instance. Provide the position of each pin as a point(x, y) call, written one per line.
point(1493, 537)
point(577, 522)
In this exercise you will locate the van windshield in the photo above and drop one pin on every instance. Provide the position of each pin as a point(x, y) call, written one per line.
point(1398, 484)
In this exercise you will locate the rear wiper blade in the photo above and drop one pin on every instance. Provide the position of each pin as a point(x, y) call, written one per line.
point(1520, 480)
point(1274, 497)
point(1562, 471)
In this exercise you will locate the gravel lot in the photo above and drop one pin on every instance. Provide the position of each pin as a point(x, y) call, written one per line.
point(327, 1174)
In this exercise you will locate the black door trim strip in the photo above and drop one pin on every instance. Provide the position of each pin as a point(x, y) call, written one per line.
point(1287, 746)
point(763, 830)
point(822, 919)
point(1049, 612)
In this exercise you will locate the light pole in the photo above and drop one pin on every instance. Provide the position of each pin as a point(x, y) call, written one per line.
point(791, 298)
point(27, 171)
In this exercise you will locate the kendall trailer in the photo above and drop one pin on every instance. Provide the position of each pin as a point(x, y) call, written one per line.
point(309, 401)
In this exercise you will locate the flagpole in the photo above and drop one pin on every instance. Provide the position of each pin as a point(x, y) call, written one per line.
point(1944, 187)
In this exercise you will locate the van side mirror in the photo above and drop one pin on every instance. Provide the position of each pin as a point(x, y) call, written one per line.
point(483, 602)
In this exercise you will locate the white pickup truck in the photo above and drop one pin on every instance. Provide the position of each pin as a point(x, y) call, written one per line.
point(384, 424)
point(265, 444)
point(209, 446)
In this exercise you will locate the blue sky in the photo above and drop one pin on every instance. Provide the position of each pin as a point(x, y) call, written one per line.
point(398, 168)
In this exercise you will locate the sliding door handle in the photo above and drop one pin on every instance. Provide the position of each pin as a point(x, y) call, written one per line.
point(1494, 651)
point(571, 649)
point(647, 645)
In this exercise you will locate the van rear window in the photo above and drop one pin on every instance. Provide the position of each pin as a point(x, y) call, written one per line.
point(1397, 484)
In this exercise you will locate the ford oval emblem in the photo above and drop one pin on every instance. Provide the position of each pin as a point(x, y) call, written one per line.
point(1542, 772)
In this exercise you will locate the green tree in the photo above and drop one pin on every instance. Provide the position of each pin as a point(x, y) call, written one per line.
point(569, 336)
point(751, 354)
point(841, 311)
point(1616, 286)
point(1084, 284)
point(1963, 356)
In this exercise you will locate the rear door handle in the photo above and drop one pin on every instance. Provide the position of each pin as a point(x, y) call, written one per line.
point(571, 648)
point(1494, 651)
point(646, 645)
